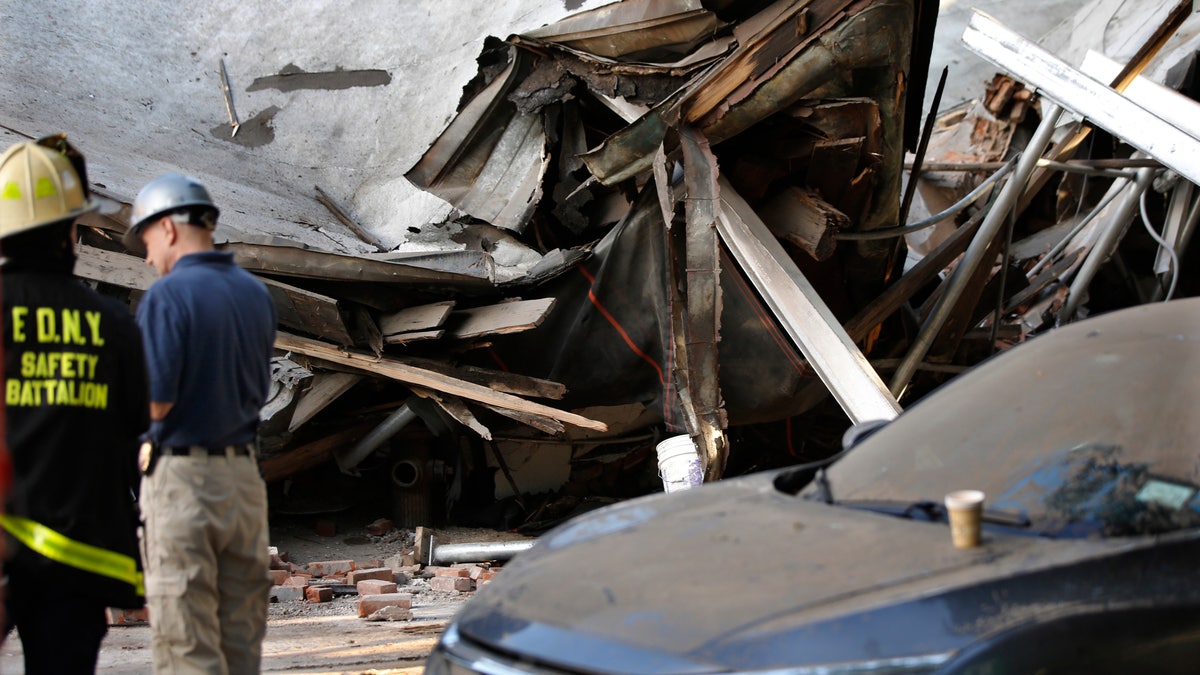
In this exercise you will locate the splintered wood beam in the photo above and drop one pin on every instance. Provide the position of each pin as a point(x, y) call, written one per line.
point(511, 383)
point(800, 217)
point(402, 372)
point(456, 408)
point(539, 422)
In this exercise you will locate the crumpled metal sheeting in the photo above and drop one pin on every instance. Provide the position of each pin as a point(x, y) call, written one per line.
point(645, 31)
point(491, 160)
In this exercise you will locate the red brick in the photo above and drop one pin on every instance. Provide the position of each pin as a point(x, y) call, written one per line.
point(384, 573)
point(449, 584)
point(318, 593)
point(278, 577)
point(380, 527)
point(451, 572)
point(369, 604)
point(376, 587)
point(487, 576)
point(328, 568)
point(299, 581)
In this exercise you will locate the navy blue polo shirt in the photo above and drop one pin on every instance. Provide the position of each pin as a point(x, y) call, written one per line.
point(209, 333)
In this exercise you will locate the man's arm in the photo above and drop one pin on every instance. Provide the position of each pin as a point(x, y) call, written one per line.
point(159, 410)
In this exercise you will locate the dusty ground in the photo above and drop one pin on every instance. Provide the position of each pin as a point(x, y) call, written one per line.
point(316, 638)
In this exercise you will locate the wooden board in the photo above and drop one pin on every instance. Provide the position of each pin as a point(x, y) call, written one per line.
point(309, 312)
point(420, 318)
point(512, 383)
point(415, 336)
point(118, 269)
point(402, 372)
point(310, 454)
point(506, 317)
point(325, 389)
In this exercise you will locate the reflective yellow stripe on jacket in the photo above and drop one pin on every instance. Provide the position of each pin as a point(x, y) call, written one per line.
point(67, 551)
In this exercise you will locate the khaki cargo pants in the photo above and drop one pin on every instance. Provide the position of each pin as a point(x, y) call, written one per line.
point(205, 551)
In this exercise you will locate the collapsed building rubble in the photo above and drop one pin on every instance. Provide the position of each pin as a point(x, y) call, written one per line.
point(708, 200)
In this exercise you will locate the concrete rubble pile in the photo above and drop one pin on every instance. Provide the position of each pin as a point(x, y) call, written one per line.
point(714, 207)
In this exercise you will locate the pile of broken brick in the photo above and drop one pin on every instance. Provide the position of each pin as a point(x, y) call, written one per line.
point(378, 584)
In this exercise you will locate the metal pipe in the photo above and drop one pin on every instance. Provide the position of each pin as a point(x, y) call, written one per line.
point(478, 552)
point(1058, 248)
point(1105, 245)
point(995, 219)
point(953, 210)
point(347, 460)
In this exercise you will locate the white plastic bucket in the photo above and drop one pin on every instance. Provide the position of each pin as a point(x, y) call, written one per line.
point(679, 464)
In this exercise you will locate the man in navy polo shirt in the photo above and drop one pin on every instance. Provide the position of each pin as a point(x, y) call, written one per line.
point(209, 331)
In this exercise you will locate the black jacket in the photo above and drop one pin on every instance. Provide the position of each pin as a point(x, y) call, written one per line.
point(76, 400)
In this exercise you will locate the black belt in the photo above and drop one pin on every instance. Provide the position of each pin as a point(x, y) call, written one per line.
point(241, 450)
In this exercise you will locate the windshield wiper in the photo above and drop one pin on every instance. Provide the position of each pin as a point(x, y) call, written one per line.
point(935, 512)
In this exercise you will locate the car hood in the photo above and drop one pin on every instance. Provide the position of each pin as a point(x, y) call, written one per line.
point(738, 575)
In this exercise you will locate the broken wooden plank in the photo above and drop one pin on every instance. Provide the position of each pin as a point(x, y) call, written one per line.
point(800, 217)
point(309, 455)
point(802, 313)
point(325, 389)
point(415, 336)
point(456, 408)
point(295, 308)
point(312, 313)
point(512, 383)
point(394, 369)
point(419, 318)
point(539, 422)
point(506, 317)
point(118, 269)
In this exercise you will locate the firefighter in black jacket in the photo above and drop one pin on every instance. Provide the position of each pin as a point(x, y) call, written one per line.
point(75, 395)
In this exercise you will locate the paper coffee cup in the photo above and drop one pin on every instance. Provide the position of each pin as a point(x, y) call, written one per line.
point(965, 508)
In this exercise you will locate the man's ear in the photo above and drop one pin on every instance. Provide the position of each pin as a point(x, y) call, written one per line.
point(170, 230)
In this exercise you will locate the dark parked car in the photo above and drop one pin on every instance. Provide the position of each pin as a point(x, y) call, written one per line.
point(1086, 442)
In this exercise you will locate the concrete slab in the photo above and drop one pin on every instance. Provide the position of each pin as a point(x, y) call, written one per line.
point(136, 87)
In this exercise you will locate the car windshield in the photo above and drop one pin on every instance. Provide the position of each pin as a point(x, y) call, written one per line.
point(1087, 431)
